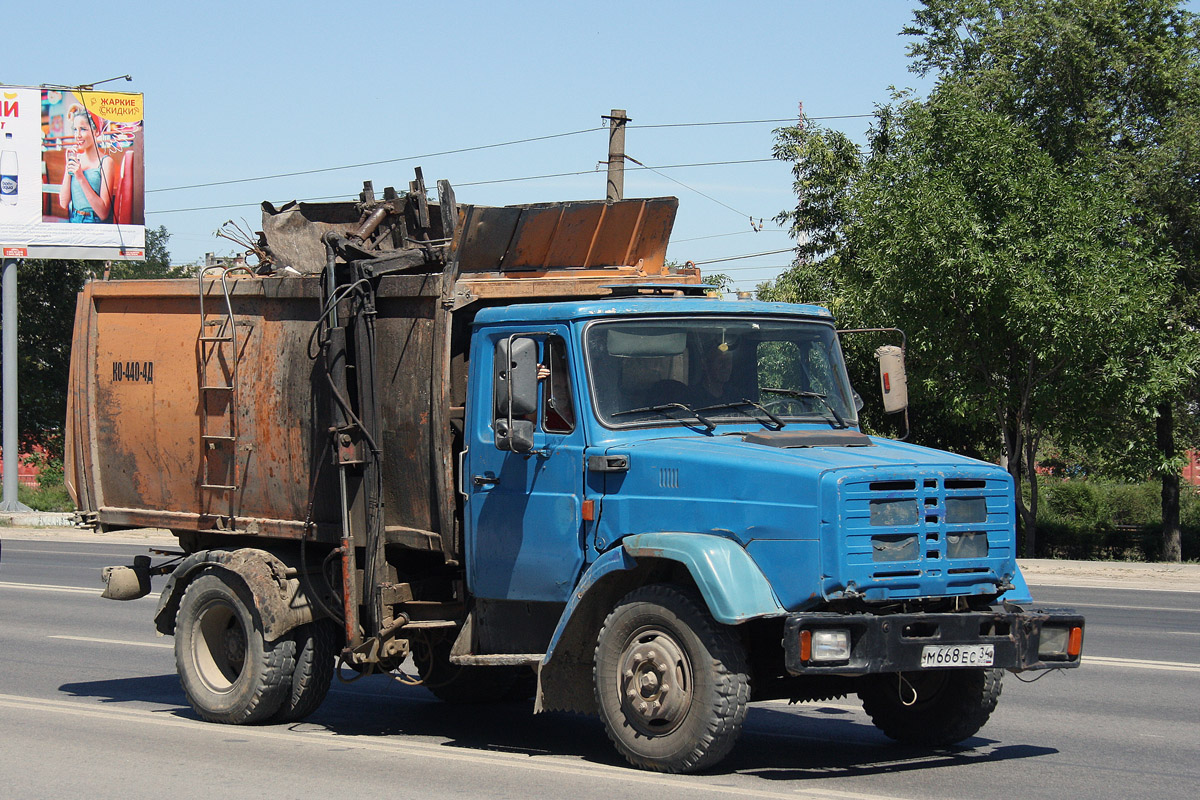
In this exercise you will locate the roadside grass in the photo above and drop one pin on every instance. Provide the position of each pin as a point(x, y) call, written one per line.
point(47, 497)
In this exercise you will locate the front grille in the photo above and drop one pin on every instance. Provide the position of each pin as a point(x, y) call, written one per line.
point(929, 535)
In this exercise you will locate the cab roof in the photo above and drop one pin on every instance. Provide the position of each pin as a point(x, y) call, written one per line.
point(644, 306)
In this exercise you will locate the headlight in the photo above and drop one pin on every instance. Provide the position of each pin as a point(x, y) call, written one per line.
point(1060, 643)
point(831, 645)
point(1053, 643)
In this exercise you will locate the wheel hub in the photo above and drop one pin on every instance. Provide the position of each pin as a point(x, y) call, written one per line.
point(219, 647)
point(655, 682)
point(235, 646)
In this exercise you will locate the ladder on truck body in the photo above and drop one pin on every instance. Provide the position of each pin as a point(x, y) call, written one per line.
point(219, 350)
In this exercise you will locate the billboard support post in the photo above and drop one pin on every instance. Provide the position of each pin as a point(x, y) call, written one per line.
point(72, 186)
point(8, 353)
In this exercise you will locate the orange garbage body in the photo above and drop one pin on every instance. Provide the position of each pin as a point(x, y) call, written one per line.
point(168, 426)
point(135, 449)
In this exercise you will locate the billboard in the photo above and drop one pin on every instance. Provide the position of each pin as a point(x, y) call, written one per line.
point(72, 183)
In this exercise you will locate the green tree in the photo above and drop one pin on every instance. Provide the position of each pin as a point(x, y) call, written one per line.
point(1010, 274)
point(157, 263)
point(1110, 87)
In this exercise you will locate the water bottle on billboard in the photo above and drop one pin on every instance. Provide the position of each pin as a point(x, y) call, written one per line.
point(8, 177)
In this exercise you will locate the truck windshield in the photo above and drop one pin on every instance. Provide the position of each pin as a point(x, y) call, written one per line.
point(689, 371)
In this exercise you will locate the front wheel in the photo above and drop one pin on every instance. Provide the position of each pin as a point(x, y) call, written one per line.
point(671, 683)
point(934, 708)
point(228, 671)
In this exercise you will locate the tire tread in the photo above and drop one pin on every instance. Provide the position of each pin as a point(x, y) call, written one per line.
point(731, 684)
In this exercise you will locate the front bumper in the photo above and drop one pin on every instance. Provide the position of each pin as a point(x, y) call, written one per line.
point(894, 642)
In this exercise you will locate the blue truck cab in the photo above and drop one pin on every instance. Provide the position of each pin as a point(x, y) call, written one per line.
point(682, 487)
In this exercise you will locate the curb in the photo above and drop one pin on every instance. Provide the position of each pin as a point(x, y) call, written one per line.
point(38, 519)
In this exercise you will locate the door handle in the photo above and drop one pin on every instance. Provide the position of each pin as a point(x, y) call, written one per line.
point(484, 480)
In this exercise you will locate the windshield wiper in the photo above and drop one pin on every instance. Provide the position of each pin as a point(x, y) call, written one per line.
point(841, 423)
point(662, 408)
point(737, 405)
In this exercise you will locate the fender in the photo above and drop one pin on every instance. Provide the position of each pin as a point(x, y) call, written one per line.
point(280, 600)
point(733, 587)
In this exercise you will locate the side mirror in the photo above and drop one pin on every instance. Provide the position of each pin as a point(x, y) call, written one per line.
point(893, 380)
point(516, 437)
point(515, 393)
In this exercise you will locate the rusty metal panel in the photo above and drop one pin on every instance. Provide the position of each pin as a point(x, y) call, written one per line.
point(575, 233)
point(136, 403)
point(405, 357)
point(567, 236)
point(622, 236)
point(485, 237)
point(77, 449)
point(145, 400)
point(560, 284)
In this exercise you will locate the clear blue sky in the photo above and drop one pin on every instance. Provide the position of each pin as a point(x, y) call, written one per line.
point(237, 90)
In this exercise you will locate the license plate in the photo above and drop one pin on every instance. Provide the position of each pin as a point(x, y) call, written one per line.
point(958, 655)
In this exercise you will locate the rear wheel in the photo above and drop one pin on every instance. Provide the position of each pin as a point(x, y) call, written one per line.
point(671, 683)
point(229, 673)
point(933, 708)
point(317, 645)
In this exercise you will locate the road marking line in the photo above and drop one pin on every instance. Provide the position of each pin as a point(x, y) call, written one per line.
point(1134, 663)
point(1116, 607)
point(394, 746)
point(45, 587)
point(1100, 583)
point(93, 554)
point(113, 641)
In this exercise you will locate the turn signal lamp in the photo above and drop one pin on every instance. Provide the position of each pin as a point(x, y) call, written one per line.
point(1075, 645)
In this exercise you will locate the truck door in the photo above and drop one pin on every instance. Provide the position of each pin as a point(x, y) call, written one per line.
point(524, 530)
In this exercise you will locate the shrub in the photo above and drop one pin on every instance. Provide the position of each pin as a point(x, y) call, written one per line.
point(1085, 519)
point(46, 497)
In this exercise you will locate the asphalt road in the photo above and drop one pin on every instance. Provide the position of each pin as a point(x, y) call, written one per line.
point(89, 703)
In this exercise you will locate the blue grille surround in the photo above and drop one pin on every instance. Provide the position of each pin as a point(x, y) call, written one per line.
point(903, 550)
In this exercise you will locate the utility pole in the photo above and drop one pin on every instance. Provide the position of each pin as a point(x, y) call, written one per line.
point(616, 154)
point(8, 352)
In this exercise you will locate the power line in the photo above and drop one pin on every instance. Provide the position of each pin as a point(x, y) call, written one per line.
point(693, 189)
point(374, 163)
point(492, 146)
point(763, 266)
point(497, 180)
point(722, 235)
point(747, 255)
point(747, 121)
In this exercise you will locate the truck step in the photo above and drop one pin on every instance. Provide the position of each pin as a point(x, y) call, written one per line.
point(501, 660)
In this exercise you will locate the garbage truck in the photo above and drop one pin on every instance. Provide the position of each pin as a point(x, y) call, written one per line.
point(517, 451)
